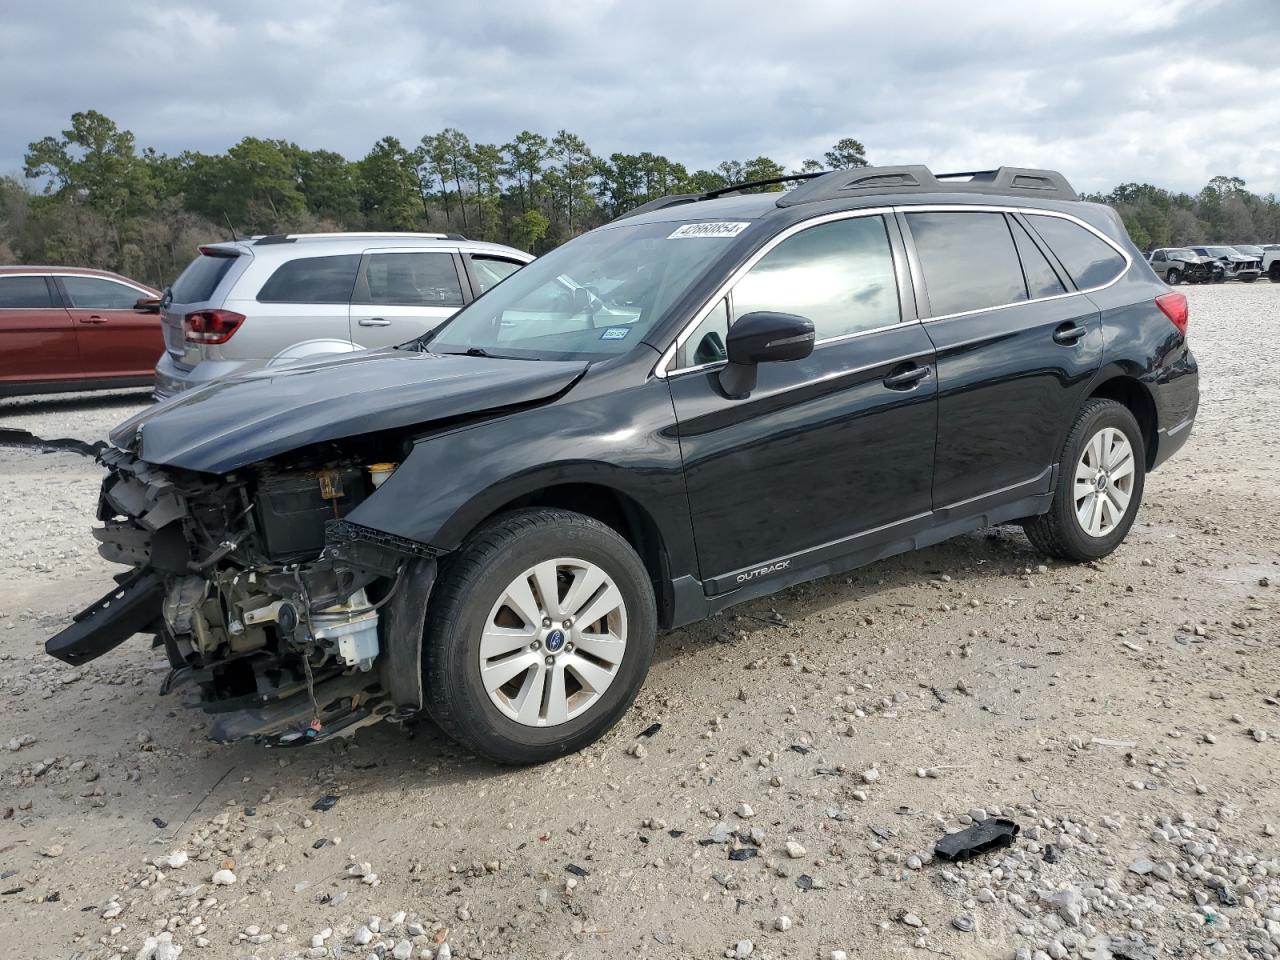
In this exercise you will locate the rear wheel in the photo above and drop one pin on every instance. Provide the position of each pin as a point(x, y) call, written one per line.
point(539, 636)
point(1173, 277)
point(1099, 487)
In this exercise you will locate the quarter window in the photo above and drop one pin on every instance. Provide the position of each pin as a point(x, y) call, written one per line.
point(29, 293)
point(706, 343)
point(1090, 261)
point(312, 280)
point(94, 293)
point(411, 280)
point(839, 275)
point(968, 259)
point(1042, 280)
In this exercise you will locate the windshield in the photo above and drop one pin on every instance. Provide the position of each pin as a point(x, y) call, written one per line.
point(1181, 255)
point(596, 296)
point(1250, 249)
point(1219, 251)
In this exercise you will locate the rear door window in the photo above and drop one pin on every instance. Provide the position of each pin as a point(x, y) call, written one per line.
point(1042, 280)
point(969, 261)
point(202, 276)
point(24, 293)
point(1091, 261)
point(411, 280)
point(490, 271)
point(95, 293)
point(311, 280)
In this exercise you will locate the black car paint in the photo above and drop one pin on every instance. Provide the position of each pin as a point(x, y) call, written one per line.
point(243, 419)
point(822, 468)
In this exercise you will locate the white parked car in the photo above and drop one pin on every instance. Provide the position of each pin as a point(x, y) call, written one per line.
point(265, 301)
point(1268, 254)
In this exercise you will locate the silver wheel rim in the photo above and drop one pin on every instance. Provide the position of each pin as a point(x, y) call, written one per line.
point(554, 642)
point(1104, 482)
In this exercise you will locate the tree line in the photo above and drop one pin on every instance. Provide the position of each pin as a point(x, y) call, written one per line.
point(92, 197)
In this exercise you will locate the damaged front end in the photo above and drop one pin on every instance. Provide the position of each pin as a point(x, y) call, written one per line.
point(287, 621)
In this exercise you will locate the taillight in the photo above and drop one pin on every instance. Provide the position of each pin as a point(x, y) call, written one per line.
point(211, 326)
point(1174, 306)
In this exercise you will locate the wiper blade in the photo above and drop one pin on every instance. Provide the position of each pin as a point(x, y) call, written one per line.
point(481, 352)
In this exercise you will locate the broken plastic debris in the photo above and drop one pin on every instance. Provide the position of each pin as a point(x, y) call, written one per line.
point(650, 730)
point(743, 853)
point(576, 870)
point(325, 803)
point(991, 834)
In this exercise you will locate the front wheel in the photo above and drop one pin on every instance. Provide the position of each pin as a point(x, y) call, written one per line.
point(539, 635)
point(1099, 487)
point(1274, 272)
point(1173, 278)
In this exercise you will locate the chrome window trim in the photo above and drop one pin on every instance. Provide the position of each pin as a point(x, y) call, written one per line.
point(661, 368)
point(90, 276)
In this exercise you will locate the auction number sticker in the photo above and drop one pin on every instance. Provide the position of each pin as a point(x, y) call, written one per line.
point(707, 230)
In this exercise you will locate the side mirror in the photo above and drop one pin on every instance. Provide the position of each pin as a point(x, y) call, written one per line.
point(148, 305)
point(763, 337)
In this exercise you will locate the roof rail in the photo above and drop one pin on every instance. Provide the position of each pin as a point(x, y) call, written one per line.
point(869, 181)
point(356, 234)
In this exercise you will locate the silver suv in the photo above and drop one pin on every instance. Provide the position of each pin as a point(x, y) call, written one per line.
point(273, 300)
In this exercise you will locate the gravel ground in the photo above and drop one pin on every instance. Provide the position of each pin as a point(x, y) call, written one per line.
point(812, 748)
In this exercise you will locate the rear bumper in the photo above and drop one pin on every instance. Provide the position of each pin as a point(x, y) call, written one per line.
point(172, 379)
point(1177, 399)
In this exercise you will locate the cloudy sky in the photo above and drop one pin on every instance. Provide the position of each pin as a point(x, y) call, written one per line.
point(1167, 91)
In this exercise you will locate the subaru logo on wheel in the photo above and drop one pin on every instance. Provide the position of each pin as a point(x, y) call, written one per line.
point(555, 640)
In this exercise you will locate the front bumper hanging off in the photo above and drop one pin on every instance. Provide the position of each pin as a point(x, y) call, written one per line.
point(131, 607)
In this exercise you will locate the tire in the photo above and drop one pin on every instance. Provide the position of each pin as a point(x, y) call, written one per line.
point(1274, 272)
point(1172, 278)
point(473, 594)
point(1061, 532)
point(1248, 279)
point(1219, 276)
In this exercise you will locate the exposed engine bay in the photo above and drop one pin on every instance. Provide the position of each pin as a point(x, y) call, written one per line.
point(288, 622)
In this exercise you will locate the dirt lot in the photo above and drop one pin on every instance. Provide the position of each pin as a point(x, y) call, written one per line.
point(812, 748)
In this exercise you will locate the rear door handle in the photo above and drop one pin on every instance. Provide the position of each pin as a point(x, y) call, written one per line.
point(906, 379)
point(1068, 334)
point(93, 319)
point(374, 322)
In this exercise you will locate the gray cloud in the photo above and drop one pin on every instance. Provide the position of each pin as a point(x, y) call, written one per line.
point(1172, 93)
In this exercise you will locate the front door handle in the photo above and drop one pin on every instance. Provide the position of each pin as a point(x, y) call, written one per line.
point(374, 322)
point(94, 319)
point(1068, 334)
point(906, 379)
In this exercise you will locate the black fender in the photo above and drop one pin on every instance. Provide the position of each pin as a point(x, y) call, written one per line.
point(620, 439)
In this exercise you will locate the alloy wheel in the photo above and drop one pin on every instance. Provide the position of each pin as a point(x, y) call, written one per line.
point(1104, 481)
point(553, 642)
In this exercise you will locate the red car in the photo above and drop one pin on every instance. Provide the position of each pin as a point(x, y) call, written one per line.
point(65, 329)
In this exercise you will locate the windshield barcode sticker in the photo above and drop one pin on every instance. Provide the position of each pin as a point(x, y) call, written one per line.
point(707, 230)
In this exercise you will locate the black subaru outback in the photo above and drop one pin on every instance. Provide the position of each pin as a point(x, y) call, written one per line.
point(707, 400)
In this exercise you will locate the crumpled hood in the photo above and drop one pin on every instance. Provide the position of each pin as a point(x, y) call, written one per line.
point(240, 420)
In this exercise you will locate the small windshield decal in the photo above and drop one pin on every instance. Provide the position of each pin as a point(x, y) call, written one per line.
point(615, 333)
point(707, 230)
